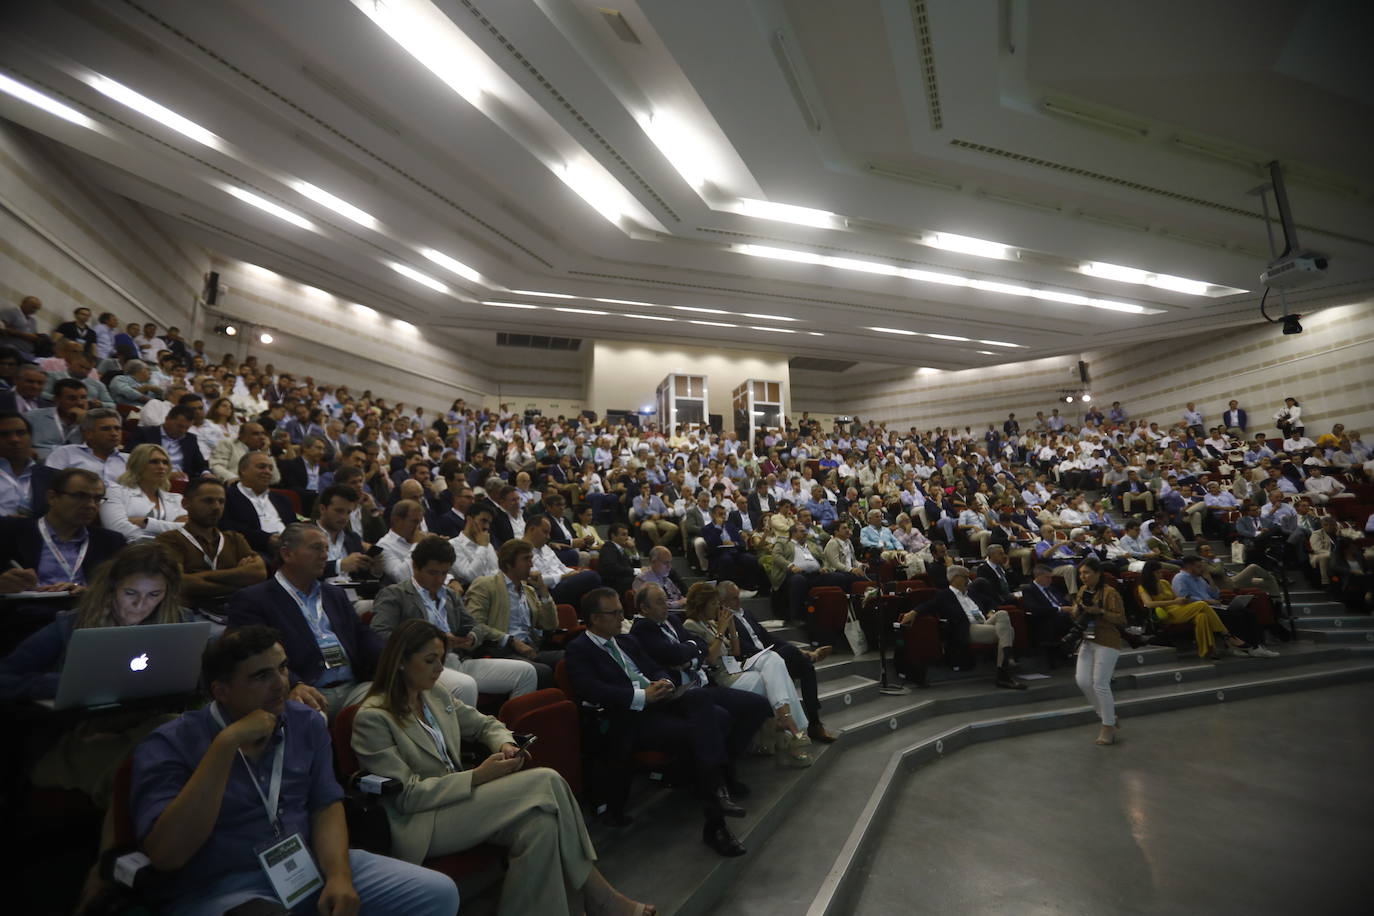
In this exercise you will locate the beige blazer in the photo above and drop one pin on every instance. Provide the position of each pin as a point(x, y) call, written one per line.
point(406, 753)
point(834, 559)
point(489, 605)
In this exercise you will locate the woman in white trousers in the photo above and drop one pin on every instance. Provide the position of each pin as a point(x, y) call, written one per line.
point(1102, 642)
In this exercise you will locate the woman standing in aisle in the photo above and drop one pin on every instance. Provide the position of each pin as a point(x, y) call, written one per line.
point(1101, 645)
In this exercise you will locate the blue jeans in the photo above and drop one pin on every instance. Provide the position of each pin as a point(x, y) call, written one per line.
point(385, 885)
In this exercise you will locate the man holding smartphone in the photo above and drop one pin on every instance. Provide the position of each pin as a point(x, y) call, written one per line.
point(515, 612)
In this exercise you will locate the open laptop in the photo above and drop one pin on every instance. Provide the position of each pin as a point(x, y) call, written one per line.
point(107, 665)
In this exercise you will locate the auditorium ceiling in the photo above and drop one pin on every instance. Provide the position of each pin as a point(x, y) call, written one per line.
point(946, 183)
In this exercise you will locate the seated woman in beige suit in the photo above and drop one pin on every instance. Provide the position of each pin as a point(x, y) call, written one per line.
point(409, 729)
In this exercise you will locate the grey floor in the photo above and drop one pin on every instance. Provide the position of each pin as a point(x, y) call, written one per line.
point(1264, 806)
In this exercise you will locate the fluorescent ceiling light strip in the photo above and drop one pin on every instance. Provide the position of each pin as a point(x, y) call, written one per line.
point(423, 279)
point(146, 106)
point(815, 333)
point(947, 337)
point(337, 204)
point(788, 213)
point(766, 317)
point(701, 311)
point(509, 305)
point(652, 305)
point(530, 292)
point(573, 311)
point(267, 206)
point(713, 324)
point(1115, 272)
point(754, 327)
point(421, 31)
point(966, 245)
point(1146, 278)
point(894, 331)
point(649, 317)
point(452, 265)
point(1179, 284)
point(684, 148)
point(987, 352)
point(38, 100)
point(603, 194)
point(926, 276)
point(1002, 343)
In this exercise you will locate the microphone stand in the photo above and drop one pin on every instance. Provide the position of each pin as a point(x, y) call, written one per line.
point(885, 687)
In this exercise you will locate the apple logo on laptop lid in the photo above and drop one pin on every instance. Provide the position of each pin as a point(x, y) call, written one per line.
point(138, 663)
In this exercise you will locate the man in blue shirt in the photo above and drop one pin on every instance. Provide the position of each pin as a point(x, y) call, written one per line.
point(247, 775)
point(1193, 584)
point(822, 509)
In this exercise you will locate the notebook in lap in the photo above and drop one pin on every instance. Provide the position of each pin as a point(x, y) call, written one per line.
point(108, 665)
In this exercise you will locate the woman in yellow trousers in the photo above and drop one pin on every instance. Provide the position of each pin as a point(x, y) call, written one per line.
point(1156, 595)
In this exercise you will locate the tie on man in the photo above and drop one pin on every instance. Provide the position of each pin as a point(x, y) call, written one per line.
point(634, 674)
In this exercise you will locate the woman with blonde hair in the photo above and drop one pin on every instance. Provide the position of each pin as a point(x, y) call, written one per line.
point(140, 505)
point(708, 620)
point(409, 729)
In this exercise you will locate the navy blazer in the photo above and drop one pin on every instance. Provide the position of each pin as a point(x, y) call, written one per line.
point(352, 544)
point(598, 680)
point(21, 543)
point(295, 477)
point(615, 567)
point(665, 652)
point(193, 463)
point(448, 522)
point(268, 604)
point(712, 535)
point(240, 516)
point(747, 644)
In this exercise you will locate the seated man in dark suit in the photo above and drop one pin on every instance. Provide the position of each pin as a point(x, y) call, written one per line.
point(58, 552)
point(451, 521)
point(1047, 610)
point(307, 474)
point(252, 509)
point(968, 623)
point(801, 663)
point(729, 556)
point(181, 445)
point(334, 511)
point(996, 579)
point(570, 548)
point(331, 653)
point(22, 481)
point(618, 563)
point(646, 711)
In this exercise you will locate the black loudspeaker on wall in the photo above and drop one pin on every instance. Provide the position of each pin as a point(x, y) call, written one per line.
point(211, 288)
point(1083, 372)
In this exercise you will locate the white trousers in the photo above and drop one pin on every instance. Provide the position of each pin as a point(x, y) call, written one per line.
point(464, 678)
point(768, 678)
point(1094, 676)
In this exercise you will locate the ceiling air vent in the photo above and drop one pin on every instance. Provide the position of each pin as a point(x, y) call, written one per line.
point(616, 20)
point(816, 364)
point(537, 341)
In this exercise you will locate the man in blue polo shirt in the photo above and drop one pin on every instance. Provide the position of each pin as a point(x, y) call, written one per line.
point(239, 800)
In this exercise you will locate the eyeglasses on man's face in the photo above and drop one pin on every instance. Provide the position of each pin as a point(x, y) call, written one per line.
point(83, 496)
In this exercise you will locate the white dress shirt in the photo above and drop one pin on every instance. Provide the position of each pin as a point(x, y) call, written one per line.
point(549, 566)
point(269, 520)
point(395, 556)
point(975, 615)
point(80, 456)
point(472, 560)
point(804, 559)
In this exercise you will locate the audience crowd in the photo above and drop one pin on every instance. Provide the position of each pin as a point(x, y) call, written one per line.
point(398, 565)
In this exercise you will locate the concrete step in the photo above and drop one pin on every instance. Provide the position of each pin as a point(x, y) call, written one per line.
point(1365, 634)
point(1338, 621)
point(847, 691)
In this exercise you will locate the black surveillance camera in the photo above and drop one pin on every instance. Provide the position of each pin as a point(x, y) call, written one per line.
point(1291, 325)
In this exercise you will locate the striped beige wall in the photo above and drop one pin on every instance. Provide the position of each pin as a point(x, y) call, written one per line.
point(1329, 368)
point(73, 244)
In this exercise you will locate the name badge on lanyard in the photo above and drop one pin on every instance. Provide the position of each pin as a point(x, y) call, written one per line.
point(211, 562)
point(286, 861)
point(71, 570)
point(330, 648)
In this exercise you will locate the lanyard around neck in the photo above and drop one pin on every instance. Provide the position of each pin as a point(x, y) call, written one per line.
point(271, 798)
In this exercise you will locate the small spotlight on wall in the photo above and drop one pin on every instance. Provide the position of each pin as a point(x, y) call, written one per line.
point(265, 337)
point(228, 330)
point(1291, 325)
point(1068, 399)
point(1087, 398)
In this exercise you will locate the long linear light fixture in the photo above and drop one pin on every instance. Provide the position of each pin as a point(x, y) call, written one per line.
point(761, 316)
point(147, 107)
point(928, 276)
point(47, 103)
point(1121, 274)
point(337, 204)
point(423, 279)
point(452, 265)
point(268, 206)
point(905, 333)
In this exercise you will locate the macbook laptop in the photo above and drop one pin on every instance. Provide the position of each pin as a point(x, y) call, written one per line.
point(107, 665)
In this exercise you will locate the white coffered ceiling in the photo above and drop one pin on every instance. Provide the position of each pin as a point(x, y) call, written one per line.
point(625, 157)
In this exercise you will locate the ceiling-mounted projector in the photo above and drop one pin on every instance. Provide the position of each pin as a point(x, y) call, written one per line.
point(1295, 270)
